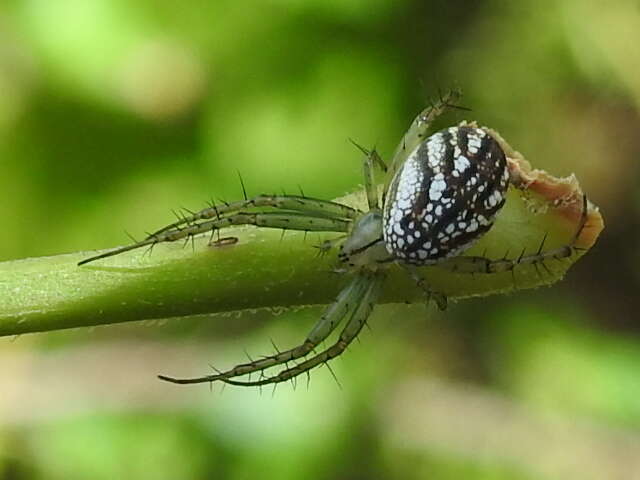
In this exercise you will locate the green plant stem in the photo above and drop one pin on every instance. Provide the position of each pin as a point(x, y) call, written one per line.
point(262, 270)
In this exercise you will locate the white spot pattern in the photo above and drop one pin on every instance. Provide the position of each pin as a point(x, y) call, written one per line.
point(445, 196)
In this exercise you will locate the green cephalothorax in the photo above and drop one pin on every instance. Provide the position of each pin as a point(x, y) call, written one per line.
point(365, 247)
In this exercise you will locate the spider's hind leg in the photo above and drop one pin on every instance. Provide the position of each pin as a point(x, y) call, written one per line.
point(420, 126)
point(359, 314)
point(439, 298)
point(476, 264)
point(348, 300)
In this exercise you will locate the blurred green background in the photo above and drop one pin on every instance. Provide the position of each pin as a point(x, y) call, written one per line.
point(113, 112)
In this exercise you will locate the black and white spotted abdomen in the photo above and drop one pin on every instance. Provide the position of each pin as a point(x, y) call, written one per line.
point(445, 196)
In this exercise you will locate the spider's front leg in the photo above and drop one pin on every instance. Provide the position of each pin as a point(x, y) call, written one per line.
point(296, 203)
point(358, 291)
point(285, 220)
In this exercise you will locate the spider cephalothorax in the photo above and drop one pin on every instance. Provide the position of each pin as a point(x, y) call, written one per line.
point(442, 195)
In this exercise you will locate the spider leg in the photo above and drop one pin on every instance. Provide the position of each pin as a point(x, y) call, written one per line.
point(357, 321)
point(297, 203)
point(440, 298)
point(329, 320)
point(474, 264)
point(419, 127)
point(284, 220)
point(371, 157)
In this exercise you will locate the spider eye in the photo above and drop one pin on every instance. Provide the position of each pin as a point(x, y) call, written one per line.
point(445, 196)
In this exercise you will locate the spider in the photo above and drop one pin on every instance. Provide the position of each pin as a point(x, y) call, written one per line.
point(442, 194)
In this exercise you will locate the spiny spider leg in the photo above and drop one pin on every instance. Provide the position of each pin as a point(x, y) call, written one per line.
point(330, 319)
point(284, 220)
point(297, 203)
point(471, 264)
point(351, 330)
point(371, 157)
point(419, 127)
point(440, 299)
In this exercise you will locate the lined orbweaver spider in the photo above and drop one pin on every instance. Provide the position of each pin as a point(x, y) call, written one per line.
point(442, 195)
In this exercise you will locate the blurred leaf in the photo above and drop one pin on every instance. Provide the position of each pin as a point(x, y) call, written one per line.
point(558, 363)
point(127, 446)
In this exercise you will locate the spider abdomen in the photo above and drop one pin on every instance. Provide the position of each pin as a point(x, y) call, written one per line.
point(445, 196)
